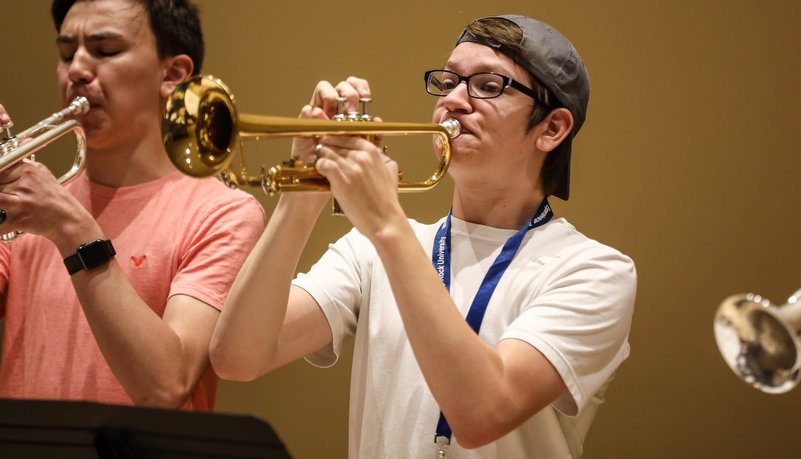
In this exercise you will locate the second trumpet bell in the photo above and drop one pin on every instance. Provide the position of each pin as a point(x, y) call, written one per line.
point(759, 341)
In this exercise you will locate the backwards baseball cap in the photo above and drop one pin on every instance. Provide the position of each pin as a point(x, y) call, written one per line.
point(554, 62)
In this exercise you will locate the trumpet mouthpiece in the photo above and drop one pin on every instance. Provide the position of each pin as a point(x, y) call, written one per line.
point(453, 127)
point(79, 106)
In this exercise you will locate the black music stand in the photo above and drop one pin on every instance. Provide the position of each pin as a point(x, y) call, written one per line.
point(43, 429)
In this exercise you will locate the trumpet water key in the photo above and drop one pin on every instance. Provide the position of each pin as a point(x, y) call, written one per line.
point(201, 127)
point(14, 148)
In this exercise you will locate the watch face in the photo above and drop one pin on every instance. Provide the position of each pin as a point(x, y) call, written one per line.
point(95, 253)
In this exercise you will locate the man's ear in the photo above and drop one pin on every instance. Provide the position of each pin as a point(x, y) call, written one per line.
point(555, 128)
point(177, 69)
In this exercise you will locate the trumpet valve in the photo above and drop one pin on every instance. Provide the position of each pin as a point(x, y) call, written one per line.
point(9, 142)
point(340, 109)
point(7, 127)
point(364, 101)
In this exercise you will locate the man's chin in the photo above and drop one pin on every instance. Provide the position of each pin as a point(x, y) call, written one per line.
point(96, 138)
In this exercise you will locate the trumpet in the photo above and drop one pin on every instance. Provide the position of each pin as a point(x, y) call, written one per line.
point(201, 126)
point(13, 149)
point(759, 341)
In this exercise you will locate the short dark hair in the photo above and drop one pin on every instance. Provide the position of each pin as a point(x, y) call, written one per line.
point(175, 24)
point(508, 37)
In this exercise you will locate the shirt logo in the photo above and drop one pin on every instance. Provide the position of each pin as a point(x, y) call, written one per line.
point(137, 262)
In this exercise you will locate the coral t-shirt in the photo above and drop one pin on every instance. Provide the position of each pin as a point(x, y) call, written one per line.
point(174, 236)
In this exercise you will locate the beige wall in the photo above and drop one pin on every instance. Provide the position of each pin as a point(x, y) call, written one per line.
point(688, 163)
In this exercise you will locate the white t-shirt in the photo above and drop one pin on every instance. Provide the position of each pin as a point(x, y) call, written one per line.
point(570, 297)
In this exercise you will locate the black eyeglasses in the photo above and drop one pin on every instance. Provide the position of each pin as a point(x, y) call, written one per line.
point(484, 85)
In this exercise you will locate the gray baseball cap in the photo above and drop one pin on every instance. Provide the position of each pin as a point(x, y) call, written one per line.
point(555, 63)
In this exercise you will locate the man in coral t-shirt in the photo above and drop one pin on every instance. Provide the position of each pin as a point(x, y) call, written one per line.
point(115, 292)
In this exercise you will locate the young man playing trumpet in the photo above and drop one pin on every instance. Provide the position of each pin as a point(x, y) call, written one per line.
point(495, 330)
point(113, 294)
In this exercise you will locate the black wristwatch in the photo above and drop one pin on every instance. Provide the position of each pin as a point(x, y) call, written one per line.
point(90, 256)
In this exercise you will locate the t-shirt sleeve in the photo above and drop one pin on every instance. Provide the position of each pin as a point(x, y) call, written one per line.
point(336, 284)
point(216, 248)
point(580, 320)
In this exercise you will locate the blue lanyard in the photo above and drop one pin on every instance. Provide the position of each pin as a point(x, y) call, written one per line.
point(441, 257)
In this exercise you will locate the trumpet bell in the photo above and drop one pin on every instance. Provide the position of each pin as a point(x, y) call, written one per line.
point(759, 341)
point(199, 127)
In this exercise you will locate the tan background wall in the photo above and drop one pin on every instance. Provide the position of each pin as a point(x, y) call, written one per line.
point(688, 163)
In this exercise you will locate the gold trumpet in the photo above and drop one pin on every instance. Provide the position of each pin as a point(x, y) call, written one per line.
point(201, 126)
point(13, 149)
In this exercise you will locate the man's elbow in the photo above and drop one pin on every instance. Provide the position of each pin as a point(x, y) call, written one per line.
point(228, 367)
point(482, 429)
point(167, 396)
point(476, 437)
point(230, 373)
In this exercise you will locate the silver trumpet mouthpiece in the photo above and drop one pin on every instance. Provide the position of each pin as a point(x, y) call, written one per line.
point(453, 127)
point(79, 106)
